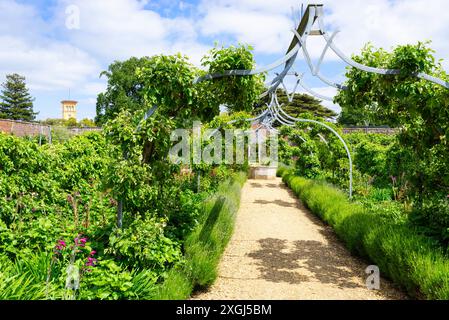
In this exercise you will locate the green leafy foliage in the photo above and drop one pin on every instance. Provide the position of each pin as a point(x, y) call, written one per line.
point(143, 245)
point(236, 92)
point(418, 107)
point(418, 161)
point(206, 244)
point(124, 91)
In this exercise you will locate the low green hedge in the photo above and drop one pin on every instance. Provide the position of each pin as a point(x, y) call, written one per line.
point(411, 260)
point(204, 247)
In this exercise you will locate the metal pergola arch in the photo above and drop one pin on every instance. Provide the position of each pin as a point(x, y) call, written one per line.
point(314, 15)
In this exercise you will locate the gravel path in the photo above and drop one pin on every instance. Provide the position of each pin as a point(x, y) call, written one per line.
point(280, 251)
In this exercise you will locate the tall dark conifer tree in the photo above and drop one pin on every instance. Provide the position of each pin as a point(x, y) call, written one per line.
point(16, 102)
point(301, 104)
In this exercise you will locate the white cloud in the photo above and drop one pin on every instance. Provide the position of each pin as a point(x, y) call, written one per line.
point(94, 88)
point(266, 24)
point(46, 63)
point(389, 23)
point(53, 57)
point(266, 32)
point(119, 29)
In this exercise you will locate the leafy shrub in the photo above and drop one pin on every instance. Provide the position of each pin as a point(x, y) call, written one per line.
point(143, 245)
point(206, 244)
point(431, 216)
point(110, 281)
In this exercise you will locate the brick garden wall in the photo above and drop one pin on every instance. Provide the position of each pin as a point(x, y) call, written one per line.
point(23, 129)
point(388, 131)
point(28, 129)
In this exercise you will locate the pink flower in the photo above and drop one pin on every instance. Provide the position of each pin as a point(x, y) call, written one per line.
point(59, 246)
point(91, 262)
point(80, 241)
point(92, 253)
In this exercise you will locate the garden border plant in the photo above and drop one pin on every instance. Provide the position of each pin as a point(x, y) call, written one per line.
point(204, 247)
point(411, 260)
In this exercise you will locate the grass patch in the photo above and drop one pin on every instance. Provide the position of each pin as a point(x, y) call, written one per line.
point(411, 260)
point(205, 245)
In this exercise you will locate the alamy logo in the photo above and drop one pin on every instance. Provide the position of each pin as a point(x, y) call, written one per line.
point(73, 277)
point(373, 280)
point(214, 146)
point(72, 21)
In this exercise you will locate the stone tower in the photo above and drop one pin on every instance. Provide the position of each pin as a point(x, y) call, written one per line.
point(69, 109)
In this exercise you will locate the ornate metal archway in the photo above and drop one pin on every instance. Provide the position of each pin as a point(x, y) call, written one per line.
point(312, 18)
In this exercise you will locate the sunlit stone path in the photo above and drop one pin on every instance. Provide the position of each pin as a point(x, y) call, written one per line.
point(279, 250)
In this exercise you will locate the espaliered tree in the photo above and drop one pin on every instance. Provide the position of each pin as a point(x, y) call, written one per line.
point(420, 109)
point(16, 102)
point(236, 92)
point(314, 150)
point(142, 175)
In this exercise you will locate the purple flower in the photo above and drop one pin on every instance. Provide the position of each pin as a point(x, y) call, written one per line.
point(80, 241)
point(59, 246)
point(91, 262)
point(83, 242)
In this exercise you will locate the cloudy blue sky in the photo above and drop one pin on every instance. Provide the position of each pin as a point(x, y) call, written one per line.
point(42, 40)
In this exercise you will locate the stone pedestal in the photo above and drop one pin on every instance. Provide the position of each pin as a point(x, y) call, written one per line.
point(263, 173)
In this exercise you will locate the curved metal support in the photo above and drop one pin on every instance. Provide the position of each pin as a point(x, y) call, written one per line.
point(315, 70)
point(259, 117)
point(290, 97)
point(344, 144)
point(323, 138)
point(362, 67)
point(275, 112)
point(264, 69)
point(313, 93)
point(334, 132)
